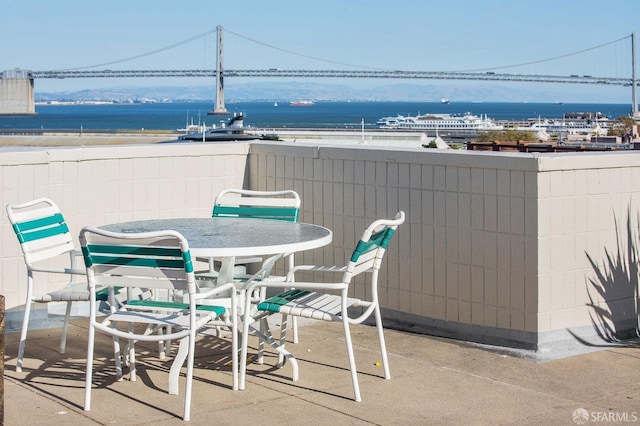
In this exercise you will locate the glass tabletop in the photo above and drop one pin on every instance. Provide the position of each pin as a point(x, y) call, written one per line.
point(219, 237)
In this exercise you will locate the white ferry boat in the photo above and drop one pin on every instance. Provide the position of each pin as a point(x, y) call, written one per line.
point(440, 122)
point(573, 124)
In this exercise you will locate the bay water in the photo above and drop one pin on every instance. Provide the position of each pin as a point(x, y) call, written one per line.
point(322, 114)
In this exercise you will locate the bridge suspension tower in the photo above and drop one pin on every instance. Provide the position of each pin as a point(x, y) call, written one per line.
point(219, 107)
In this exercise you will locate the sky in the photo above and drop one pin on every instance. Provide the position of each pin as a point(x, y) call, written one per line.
point(422, 35)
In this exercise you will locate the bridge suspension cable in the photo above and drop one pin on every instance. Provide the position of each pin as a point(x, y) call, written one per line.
point(302, 55)
point(369, 72)
point(566, 55)
point(143, 55)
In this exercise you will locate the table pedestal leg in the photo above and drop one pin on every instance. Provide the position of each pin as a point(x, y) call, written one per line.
point(226, 270)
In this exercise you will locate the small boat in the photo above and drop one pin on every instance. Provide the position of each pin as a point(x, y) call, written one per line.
point(191, 127)
point(233, 130)
point(444, 101)
point(390, 122)
point(275, 104)
point(301, 103)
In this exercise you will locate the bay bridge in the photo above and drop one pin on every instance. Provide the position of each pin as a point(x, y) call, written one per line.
point(17, 88)
point(434, 75)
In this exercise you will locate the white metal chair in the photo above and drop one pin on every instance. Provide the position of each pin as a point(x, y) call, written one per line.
point(251, 204)
point(45, 241)
point(277, 205)
point(159, 261)
point(328, 301)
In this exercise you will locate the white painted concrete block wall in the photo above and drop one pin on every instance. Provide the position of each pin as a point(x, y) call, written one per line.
point(588, 240)
point(494, 240)
point(100, 185)
point(503, 241)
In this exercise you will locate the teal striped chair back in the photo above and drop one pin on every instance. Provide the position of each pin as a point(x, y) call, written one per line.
point(145, 260)
point(277, 205)
point(370, 249)
point(41, 230)
point(49, 251)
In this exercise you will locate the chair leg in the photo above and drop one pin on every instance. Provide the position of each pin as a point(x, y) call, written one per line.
point(234, 343)
point(263, 336)
point(283, 336)
point(23, 334)
point(132, 356)
point(279, 346)
point(191, 342)
point(294, 320)
point(186, 349)
point(176, 365)
point(167, 343)
point(89, 372)
point(352, 360)
point(161, 345)
point(25, 322)
point(263, 329)
point(294, 327)
point(243, 351)
point(383, 346)
point(284, 325)
point(117, 354)
point(164, 346)
point(65, 327)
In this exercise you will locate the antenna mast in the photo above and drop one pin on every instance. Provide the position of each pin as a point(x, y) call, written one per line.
point(634, 96)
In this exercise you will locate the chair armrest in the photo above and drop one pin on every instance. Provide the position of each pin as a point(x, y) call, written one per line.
point(199, 299)
point(71, 270)
point(257, 279)
point(298, 285)
point(73, 255)
point(50, 270)
point(314, 268)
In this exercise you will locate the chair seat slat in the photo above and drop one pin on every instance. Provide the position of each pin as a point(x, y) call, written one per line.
point(306, 304)
point(158, 304)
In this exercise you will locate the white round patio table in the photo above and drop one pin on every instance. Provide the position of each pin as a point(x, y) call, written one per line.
point(227, 238)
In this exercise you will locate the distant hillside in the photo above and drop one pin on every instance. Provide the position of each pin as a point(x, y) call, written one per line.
point(402, 91)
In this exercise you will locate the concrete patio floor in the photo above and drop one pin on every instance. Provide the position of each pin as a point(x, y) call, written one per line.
point(434, 381)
